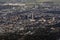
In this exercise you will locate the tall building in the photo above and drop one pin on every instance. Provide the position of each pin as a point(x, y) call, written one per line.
point(27, 0)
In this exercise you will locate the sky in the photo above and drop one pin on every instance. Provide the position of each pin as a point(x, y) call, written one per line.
point(37, 0)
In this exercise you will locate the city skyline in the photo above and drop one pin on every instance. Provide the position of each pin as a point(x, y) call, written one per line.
point(30, 0)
